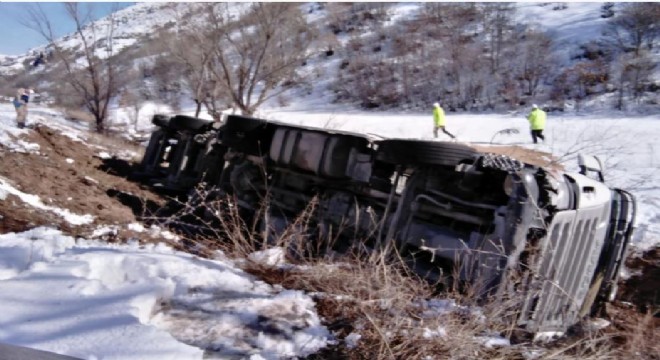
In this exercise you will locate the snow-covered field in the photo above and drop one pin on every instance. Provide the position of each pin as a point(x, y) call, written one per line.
point(93, 300)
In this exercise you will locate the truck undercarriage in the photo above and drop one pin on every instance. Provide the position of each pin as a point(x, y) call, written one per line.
point(548, 243)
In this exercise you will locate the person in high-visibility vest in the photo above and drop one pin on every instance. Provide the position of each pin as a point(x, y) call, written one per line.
point(536, 120)
point(439, 121)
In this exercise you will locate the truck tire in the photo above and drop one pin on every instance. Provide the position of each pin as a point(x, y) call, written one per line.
point(161, 120)
point(183, 122)
point(245, 133)
point(243, 123)
point(415, 152)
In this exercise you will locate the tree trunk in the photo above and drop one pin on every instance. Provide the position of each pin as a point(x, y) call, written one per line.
point(100, 127)
point(198, 108)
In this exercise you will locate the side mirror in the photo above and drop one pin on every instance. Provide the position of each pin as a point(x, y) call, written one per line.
point(590, 163)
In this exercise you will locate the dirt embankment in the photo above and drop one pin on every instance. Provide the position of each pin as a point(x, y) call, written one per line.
point(68, 174)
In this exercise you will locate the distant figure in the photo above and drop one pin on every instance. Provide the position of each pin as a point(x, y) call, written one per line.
point(537, 123)
point(439, 121)
point(39, 60)
point(21, 104)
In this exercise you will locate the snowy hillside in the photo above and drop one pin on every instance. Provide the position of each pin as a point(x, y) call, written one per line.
point(570, 25)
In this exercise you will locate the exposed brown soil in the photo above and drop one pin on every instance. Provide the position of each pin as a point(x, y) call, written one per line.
point(68, 174)
point(643, 287)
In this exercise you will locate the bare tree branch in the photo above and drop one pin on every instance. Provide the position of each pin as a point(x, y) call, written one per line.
point(251, 55)
point(93, 81)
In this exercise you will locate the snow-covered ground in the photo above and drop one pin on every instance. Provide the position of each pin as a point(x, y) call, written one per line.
point(94, 300)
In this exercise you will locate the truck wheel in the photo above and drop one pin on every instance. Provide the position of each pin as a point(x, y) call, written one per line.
point(243, 123)
point(424, 152)
point(243, 132)
point(161, 120)
point(183, 122)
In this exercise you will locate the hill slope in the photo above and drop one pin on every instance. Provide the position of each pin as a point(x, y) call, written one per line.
point(573, 27)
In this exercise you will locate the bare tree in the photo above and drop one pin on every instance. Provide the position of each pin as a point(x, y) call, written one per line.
point(449, 24)
point(131, 98)
point(497, 25)
point(189, 48)
point(632, 73)
point(579, 81)
point(636, 25)
point(248, 59)
point(89, 76)
point(535, 60)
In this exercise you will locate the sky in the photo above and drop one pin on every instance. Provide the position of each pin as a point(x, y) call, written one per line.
point(17, 39)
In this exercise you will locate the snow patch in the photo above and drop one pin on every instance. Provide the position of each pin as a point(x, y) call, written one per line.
point(352, 340)
point(137, 227)
point(104, 155)
point(270, 257)
point(128, 300)
point(438, 332)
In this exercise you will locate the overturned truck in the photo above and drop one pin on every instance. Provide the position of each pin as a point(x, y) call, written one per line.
point(548, 242)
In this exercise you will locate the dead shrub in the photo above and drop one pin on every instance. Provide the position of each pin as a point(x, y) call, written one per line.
point(375, 306)
point(78, 115)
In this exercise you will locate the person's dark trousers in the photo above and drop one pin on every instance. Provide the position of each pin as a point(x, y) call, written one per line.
point(435, 132)
point(537, 134)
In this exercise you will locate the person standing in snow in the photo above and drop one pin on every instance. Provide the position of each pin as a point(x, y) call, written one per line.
point(536, 120)
point(439, 121)
point(20, 104)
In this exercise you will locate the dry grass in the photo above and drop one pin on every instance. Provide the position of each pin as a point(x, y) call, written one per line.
point(371, 292)
point(635, 336)
point(114, 142)
point(78, 115)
